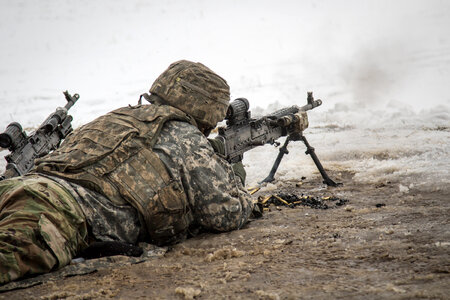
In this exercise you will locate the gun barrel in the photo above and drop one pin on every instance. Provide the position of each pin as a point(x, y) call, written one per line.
point(311, 105)
point(70, 99)
point(284, 112)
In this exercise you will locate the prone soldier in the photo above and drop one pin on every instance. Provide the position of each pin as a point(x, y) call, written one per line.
point(139, 173)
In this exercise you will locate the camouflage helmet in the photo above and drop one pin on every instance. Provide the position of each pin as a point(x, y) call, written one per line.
point(194, 89)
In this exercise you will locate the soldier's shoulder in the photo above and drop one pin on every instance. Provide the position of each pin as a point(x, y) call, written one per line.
point(180, 140)
point(182, 130)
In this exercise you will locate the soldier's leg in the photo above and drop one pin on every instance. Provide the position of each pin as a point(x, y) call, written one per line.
point(42, 227)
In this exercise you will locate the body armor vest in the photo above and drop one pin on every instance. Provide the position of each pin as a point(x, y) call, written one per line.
point(113, 155)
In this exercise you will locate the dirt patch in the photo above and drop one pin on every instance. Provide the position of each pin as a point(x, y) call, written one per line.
point(382, 243)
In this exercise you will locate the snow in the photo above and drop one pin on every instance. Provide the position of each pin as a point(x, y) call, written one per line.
point(382, 69)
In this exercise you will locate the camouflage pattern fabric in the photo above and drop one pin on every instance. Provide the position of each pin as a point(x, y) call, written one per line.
point(100, 211)
point(41, 227)
point(217, 197)
point(194, 89)
point(112, 156)
point(238, 167)
point(94, 154)
point(207, 188)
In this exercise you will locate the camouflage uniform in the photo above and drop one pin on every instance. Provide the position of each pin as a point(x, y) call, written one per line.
point(139, 173)
point(41, 227)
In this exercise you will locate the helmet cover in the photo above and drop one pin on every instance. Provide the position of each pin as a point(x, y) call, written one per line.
point(194, 89)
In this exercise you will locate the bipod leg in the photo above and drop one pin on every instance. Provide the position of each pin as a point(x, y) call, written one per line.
point(310, 150)
point(283, 150)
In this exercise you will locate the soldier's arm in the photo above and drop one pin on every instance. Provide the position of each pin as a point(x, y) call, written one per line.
point(216, 194)
point(238, 167)
point(219, 200)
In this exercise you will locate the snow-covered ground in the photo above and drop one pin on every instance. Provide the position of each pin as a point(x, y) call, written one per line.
point(382, 69)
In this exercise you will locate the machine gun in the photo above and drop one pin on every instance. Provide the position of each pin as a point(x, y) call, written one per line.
point(243, 133)
point(24, 149)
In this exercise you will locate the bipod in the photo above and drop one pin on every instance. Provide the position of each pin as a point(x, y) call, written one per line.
point(283, 151)
point(309, 150)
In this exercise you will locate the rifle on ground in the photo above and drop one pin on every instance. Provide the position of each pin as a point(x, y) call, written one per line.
point(24, 149)
point(243, 133)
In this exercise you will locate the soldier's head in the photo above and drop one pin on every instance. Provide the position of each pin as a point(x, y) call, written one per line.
point(196, 90)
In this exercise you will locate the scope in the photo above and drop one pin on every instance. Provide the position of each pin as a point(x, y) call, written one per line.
point(12, 137)
point(238, 109)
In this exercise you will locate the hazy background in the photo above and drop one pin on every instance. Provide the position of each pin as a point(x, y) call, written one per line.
point(360, 52)
point(381, 67)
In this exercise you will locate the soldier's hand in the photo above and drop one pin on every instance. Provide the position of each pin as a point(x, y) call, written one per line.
point(218, 146)
point(238, 167)
point(239, 171)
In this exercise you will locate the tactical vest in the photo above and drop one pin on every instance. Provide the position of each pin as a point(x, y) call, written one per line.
point(113, 155)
